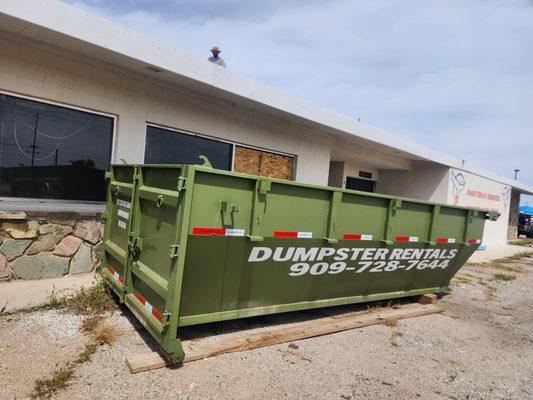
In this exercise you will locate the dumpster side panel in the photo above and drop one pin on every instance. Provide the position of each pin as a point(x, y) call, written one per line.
point(312, 247)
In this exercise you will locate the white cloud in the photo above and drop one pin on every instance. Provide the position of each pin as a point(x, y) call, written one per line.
point(453, 75)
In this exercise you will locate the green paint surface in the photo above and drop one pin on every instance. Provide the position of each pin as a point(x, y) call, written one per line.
point(199, 245)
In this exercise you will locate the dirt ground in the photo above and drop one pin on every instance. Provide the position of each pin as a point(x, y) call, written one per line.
point(481, 347)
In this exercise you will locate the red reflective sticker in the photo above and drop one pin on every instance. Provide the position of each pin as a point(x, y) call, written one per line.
point(442, 240)
point(402, 238)
point(157, 314)
point(209, 231)
point(351, 236)
point(139, 297)
point(285, 234)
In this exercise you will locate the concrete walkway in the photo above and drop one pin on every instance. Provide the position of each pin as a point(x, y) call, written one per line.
point(495, 252)
point(26, 293)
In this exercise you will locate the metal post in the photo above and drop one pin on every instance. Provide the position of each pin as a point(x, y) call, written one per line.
point(34, 140)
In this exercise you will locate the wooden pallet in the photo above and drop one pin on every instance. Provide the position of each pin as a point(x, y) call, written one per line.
point(272, 335)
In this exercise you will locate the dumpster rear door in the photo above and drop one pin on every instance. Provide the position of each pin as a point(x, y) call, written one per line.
point(153, 243)
point(120, 201)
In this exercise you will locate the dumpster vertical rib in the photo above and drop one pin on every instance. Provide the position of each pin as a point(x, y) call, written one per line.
point(435, 214)
point(171, 343)
point(335, 201)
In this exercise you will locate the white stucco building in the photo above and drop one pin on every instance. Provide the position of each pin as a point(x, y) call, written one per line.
point(79, 92)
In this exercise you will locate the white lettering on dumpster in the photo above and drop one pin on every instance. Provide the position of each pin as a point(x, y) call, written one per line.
point(123, 203)
point(321, 260)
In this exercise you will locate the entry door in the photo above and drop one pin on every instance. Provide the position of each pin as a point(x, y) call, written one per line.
point(363, 185)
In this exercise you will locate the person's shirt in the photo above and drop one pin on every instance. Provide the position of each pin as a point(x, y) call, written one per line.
point(217, 61)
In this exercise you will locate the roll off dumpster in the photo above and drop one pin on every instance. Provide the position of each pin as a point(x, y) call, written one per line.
point(187, 244)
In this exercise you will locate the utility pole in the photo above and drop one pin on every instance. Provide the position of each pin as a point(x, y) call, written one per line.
point(516, 171)
point(34, 140)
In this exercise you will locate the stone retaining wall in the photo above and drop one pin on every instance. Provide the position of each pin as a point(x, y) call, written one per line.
point(45, 245)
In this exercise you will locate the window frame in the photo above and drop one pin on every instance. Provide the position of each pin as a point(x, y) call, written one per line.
point(218, 139)
point(37, 204)
point(189, 133)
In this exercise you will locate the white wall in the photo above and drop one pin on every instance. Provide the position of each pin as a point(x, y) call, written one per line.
point(425, 181)
point(470, 190)
point(56, 75)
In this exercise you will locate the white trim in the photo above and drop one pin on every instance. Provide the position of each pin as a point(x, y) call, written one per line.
point(51, 205)
point(56, 103)
point(279, 153)
point(179, 130)
point(233, 157)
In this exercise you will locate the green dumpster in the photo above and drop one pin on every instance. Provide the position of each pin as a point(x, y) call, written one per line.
point(187, 244)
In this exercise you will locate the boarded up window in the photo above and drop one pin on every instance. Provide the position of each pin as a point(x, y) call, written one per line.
point(262, 163)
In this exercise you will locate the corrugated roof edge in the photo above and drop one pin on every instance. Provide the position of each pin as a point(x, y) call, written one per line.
point(100, 32)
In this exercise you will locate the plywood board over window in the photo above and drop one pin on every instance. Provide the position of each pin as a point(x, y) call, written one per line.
point(263, 163)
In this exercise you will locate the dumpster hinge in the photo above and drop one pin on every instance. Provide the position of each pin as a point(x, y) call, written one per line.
point(181, 183)
point(107, 175)
point(174, 250)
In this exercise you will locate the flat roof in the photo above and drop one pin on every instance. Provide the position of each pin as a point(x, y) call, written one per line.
point(79, 31)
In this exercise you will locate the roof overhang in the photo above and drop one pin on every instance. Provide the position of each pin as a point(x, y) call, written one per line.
point(61, 25)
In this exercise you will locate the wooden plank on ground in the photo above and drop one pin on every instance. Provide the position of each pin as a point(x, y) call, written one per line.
point(268, 336)
point(429, 298)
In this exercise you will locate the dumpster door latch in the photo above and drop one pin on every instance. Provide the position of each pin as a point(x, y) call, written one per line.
point(174, 250)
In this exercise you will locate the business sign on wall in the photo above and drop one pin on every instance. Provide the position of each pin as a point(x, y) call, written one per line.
point(470, 190)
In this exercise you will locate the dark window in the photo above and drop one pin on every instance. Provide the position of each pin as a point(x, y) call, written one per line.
point(364, 174)
point(52, 152)
point(164, 146)
point(362, 185)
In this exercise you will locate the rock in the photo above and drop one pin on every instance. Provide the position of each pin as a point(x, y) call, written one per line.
point(87, 229)
point(5, 271)
point(60, 231)
point(13, 248)
point(68, 246)
point(19, 215)
point(101, 229)
point(82, 261)
point(68, 220)
point(97, 248)
point(43, 243)
point(22, 230)
point(42, 265)
point(46, 229)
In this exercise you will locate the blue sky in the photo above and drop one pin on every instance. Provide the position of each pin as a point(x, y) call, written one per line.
point(454, 75)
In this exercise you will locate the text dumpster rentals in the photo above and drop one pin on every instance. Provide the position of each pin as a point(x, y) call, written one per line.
point(188, 244)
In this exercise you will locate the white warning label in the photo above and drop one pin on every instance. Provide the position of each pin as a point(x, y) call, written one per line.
point(123, 214)
point(123, 203)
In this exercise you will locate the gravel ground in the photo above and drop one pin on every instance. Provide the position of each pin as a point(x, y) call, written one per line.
point(479, 348)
